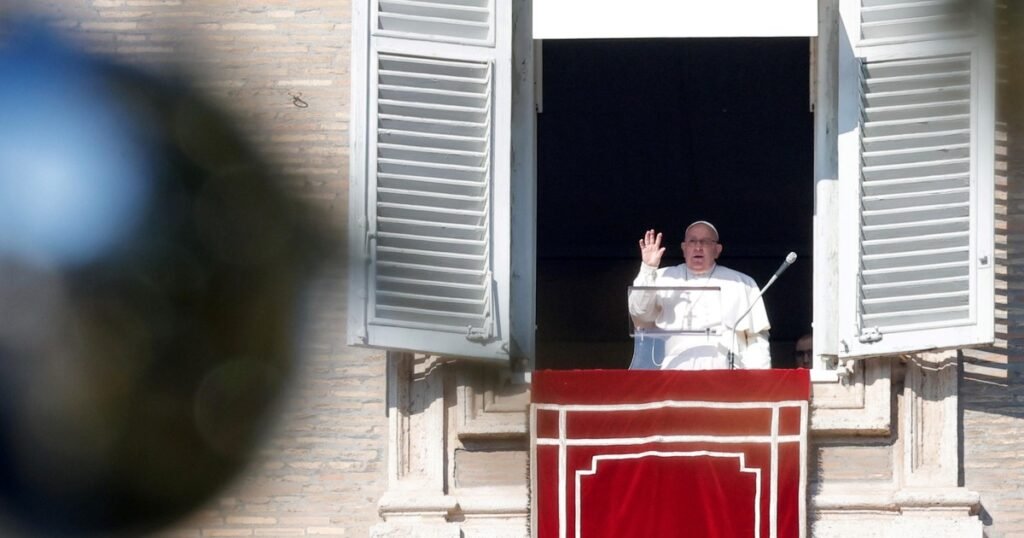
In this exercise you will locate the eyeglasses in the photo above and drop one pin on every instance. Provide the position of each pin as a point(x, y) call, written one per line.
point(701, 242)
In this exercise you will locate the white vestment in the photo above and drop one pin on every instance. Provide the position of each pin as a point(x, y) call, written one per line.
point(694, 311)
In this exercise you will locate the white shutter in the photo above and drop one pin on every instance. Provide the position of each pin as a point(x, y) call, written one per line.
point(916, 165)
point(463, 21)
point(903, 20)
point(430, 177)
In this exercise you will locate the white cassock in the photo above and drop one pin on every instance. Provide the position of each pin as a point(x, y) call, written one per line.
point(715, 312)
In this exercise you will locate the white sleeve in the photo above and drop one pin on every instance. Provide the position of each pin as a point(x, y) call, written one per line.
point(643, 305)
point(757, 354)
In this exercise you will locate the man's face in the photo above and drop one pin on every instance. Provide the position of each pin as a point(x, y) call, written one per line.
point(701, 248)
point(802, 353)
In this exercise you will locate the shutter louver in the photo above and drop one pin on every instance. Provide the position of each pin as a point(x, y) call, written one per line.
point(433, 173)
point(445, 20)
point(917, 162)
point(916, 165)
point(909, 19)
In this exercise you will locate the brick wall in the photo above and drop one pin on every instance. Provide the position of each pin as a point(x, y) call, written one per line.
point(281, 66)
point(992, 391)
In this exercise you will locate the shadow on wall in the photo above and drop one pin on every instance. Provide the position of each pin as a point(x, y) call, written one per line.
point(992, 387)
point(1001, 366)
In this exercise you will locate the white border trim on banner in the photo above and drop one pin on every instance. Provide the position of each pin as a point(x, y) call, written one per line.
point(774, 439)
point(657, 453)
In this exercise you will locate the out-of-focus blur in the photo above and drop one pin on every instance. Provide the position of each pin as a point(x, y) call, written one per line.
point(149, 276)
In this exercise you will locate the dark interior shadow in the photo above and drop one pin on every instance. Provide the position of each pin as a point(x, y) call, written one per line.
point(657, 133)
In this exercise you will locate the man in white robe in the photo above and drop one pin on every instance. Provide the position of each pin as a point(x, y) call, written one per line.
point(732, 318)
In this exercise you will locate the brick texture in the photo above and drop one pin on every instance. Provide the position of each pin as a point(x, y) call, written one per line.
point(282, 67)
point(992, 393)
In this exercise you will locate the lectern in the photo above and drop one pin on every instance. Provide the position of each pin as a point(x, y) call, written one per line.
point(646, 453)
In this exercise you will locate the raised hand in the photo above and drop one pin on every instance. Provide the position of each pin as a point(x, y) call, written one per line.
point(651, 249)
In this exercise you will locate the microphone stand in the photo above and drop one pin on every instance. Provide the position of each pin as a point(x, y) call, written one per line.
point(785, 265)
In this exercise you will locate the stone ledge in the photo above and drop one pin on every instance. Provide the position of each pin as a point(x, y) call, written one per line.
point(878, 501)
point(898, 527)
point(945, 498)
point(906, 500)
point(417, 529)
point(511, 501)
point(417, 504)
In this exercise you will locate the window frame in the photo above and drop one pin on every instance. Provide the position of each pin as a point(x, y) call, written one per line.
point(514, 202)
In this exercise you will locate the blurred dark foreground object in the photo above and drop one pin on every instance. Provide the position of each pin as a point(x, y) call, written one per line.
point(150, 274)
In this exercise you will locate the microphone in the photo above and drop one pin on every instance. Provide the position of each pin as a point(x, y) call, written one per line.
point(790, 258)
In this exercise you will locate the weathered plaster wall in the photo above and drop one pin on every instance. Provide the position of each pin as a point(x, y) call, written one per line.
point(281, 66)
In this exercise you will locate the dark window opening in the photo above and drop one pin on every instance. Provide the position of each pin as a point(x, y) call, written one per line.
point(657, 133)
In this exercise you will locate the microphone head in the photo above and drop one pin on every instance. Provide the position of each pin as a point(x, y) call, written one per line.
point(791, 257)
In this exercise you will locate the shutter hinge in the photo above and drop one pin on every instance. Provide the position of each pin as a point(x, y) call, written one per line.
point(370, 236)
point(870, 335)
point(478, 334)
point(485, 333)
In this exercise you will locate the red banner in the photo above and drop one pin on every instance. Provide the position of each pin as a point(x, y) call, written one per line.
point(621, 453)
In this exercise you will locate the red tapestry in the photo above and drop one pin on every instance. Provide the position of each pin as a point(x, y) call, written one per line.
point(643, 453)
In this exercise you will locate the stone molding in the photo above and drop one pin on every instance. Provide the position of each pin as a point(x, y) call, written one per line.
point(859, 403)
point(435, 407)
point(924, 497)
